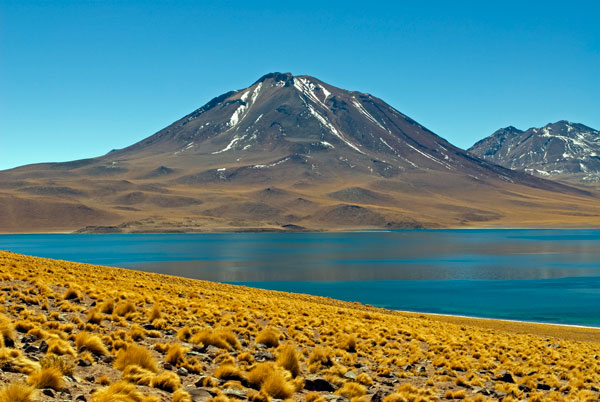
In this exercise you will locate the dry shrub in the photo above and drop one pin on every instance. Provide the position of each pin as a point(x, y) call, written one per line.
point(121, 391)
point(268, 337)
point(167, 381)
point(7, 331)
point(364, 379)
point(136, 332)
point(351, 390)
point(184, 334)
point(288, 359)
point(134, 354)
point(50, 377)
point(17, 392)
point(71, 294)
point(259, 373)
point(95, 317)
point(60, 347)
point(222, 339)
point(91, 342)
point(229, 372)
point(182, 396)
point(107, 306)
point(155, 313)
point(320, 356)
point(137, 375)
point(176, 354)
point(11, 360)
point(314, 397)
point(348, 343)
point(257, 396)
point(63, 363)
point(24, 326)
point(124, 307)
point(277, 387)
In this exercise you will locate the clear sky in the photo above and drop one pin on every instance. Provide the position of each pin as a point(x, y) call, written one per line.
point(79, 78)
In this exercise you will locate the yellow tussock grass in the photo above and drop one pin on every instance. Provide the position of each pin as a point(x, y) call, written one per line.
point(60, 347)
point(314, 397)
point(121, 391)
point(229, 372)
point(12, 360)
point(277, 387)
point(268, 337)
point(138, 355)
point(351, 390)
point(17, 392)
point(91, 342)
point(7, 331)
point(155, 313)
point(123, 308)
point(50, 377)
point(223, 339)
point(288, 359)
point(137, 375)
point(181, 396)
point(107, 306)
point(176, 354)
point(167, 381)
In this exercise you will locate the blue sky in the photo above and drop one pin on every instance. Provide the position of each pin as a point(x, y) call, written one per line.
point(78, 78)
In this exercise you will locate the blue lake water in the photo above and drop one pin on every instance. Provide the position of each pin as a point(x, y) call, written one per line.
point(531, 275)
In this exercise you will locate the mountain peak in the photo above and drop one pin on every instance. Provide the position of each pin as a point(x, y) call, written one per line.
point(286, 78)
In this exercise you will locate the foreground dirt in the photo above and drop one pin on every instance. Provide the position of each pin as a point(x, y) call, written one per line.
point(83, 332)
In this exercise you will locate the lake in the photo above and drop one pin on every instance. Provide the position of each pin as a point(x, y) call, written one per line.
point(531, 275)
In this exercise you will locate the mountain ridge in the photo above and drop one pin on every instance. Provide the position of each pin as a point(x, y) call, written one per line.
point(331, 153)
point(562, 150)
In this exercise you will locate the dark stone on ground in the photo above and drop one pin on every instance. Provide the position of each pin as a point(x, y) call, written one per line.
point(318, 384)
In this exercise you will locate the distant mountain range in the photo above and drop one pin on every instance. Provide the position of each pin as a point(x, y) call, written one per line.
point(562, 150)
point(286, 153)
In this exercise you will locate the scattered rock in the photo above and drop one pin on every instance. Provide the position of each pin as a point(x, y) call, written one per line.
point(524, 388)
point(543, 387)
point(108, 359)
point(167, 366)
point(235, 393)
point(80, 398)
point(48, 392)
point(199, 394)
point(317, 383)
point(90, 378)
point(84, 363)
point(263, 355)
point(182, 372)
point(505, 376)
point(350, 374)
point(43, 348)
point(378, 396)
point(31, 349)
point(212, 350)
point(148, 327)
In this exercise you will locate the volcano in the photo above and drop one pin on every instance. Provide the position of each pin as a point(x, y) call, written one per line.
point(286, 153)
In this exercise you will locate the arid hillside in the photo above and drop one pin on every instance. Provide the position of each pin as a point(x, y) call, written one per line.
point(287, 153)
point(89, 333)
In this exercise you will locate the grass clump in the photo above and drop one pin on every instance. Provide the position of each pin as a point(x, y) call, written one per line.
point(121, 391)
point(63, 363)
point(288, 359)
point(229, 372)
point(176, 354)
point(17, 392)
point(137, 375)
point(167, 381)
point(7, 331)
point(134, 354)
point(50, 377)
point(181, 396)
point(351, 390)
point(12, 360)
point(90, 342)
point(223, 339)
point(268, 337)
